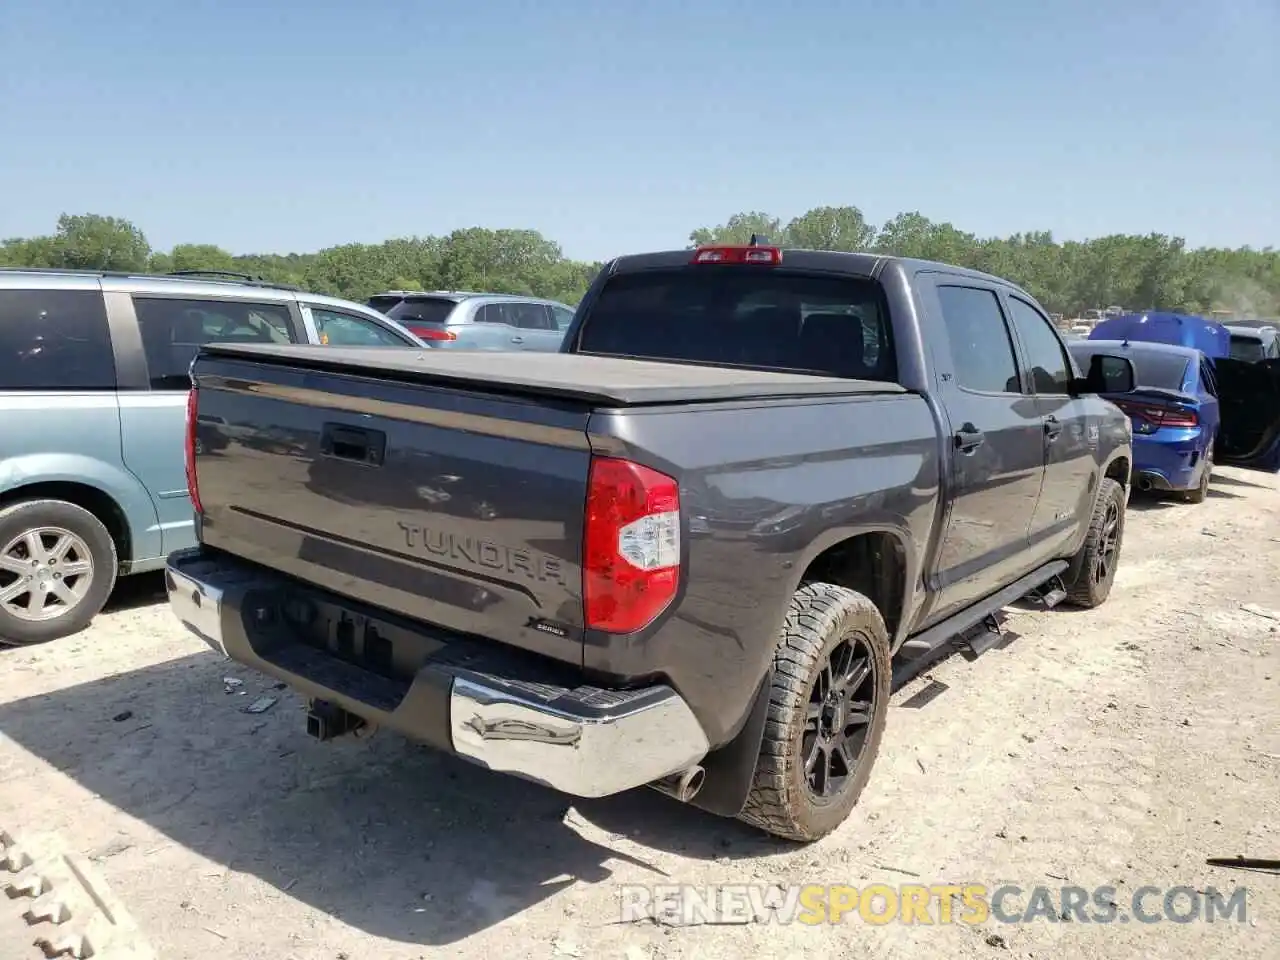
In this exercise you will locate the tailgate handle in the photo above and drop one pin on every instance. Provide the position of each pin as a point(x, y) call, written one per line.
point(353, 443)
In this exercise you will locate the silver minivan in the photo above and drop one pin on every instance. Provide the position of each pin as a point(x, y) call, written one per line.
point(464, 320)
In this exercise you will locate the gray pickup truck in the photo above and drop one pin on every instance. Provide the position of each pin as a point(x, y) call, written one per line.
point(686, 552)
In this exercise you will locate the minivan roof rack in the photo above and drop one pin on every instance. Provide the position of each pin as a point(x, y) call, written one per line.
point(230, 274)
point(435, 293)
point(216, 276)
point(227, 275)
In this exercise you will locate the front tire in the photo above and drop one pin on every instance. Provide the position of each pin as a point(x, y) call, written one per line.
point(57, 568)
point(827, 709)
point(1093, 569)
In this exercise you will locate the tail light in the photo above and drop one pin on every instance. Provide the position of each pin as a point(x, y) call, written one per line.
point(431, 333)
point(193, 488)
point(631, 545)
point(768, 256)
point(1178, 418)
point(1160, 416)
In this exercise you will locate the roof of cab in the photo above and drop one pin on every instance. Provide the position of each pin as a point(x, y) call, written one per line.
point(853, 264)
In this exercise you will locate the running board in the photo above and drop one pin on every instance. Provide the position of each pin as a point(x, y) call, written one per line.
point(986, 635)
point(1049, 594)
point(930, 640)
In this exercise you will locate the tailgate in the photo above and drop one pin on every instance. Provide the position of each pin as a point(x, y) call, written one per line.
point(450, 506)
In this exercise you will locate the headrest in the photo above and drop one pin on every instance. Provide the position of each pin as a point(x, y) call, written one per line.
point(833, 342)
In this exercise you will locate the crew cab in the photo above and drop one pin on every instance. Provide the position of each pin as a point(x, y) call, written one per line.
point(687, 551)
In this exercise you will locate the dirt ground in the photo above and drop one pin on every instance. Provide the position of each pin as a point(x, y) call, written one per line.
point(1121, 747)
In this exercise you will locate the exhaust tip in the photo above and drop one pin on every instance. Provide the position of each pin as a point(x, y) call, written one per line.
point(692, 783)
point(682, 786)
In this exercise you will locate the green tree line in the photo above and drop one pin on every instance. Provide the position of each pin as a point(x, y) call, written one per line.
point(1138, 272)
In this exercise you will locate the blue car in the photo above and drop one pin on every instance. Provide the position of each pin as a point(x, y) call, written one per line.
point(1174, 411)
point(1189, 412)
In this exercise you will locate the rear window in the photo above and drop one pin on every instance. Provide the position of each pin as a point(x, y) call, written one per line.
point(1164, 371)
point(1248, 349)
point(384, 303)
point(414, 310)
point(761, 319)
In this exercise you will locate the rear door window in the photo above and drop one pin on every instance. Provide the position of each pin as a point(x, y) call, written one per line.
point(173, 331)
point(756, 319)
point(531, 316)
point(55, 340)
point(491, 313)
point(514, 313)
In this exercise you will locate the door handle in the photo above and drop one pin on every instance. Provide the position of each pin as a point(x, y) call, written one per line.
point(969, 438)
point(517, 339)
point(1052, 428)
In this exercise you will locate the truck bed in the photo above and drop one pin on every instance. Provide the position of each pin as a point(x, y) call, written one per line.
point(599, 380)
point(447, 488)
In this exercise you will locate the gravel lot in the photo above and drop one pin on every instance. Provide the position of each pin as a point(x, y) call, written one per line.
point(1122, 747)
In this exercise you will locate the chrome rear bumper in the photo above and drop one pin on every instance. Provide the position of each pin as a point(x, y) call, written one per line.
point(584, 741)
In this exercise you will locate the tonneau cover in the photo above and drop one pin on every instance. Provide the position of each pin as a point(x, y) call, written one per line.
point(595, 379)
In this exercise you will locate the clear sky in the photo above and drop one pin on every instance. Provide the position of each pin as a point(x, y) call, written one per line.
point(611, 126)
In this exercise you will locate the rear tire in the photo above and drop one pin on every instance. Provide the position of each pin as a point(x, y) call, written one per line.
point(827, 709)
point(1093, 569)
point(1201, 492)
point(59, 555)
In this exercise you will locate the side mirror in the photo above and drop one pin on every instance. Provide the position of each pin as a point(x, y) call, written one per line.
point(1108, 374)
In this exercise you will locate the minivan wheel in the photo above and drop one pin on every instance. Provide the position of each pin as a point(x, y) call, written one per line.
point(827, 708)
point(1093, 568)
point(57, 568)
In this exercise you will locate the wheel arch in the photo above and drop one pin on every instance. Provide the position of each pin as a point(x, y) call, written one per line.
point(88, 497)
point(878, 561)
point(1119, 468)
